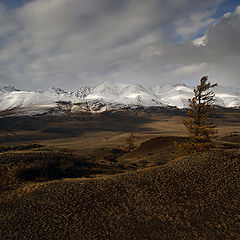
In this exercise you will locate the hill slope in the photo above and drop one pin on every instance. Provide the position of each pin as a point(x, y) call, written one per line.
point(193, 198)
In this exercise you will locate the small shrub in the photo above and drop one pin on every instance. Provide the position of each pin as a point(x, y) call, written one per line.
point(130, 142)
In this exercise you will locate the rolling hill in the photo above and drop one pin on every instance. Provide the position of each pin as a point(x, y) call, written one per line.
point(190, 198)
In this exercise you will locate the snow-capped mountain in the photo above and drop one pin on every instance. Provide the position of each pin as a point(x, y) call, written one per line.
point(178, 95)
point(82, 92)
point(227, 97)
point(7, 89)
point(124, 93)
point(16, 99)
point(58, 94)
point(109, 95)
point(174, 95)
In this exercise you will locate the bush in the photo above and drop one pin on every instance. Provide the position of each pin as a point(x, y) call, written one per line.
point(130, 142)
point(50, 166)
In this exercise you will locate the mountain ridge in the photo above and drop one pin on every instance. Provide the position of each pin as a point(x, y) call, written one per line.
point(109, 94)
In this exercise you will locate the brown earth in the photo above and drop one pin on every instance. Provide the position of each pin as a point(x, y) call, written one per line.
point(190, 198)
point(142, 194)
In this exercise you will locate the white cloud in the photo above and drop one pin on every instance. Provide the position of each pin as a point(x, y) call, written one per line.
point(194, 23)
point(190, 69)
point(70, 43)
point(201, 41)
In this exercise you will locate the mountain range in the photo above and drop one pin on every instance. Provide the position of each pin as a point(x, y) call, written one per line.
point(108, 95)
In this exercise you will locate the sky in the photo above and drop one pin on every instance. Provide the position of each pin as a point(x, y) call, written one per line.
point(75, 43)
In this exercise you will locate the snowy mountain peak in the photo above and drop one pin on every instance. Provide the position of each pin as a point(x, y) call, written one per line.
point(107, 90)
point(82, 92)
point(109, 94)
point(124, 93)
point(183, 88)
point(55, 90)
point(6, 89)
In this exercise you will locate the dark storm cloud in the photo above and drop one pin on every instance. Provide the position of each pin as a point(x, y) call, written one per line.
point(70, 43)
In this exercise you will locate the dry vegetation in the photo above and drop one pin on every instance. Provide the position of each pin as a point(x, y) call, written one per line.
point(117, 176)
point(192, 198)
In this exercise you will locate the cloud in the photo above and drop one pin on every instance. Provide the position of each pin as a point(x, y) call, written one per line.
point(194, 23)
point(8, 22)
point(216, 53)
point(70, 43)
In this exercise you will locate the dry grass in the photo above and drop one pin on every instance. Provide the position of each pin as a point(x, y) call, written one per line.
point(189, 198)
point(153, 152)
point(19, 167)
point(84, 132)
point(192, 198)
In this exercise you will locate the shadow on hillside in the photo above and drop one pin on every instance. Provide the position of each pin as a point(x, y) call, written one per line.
point(69, 127)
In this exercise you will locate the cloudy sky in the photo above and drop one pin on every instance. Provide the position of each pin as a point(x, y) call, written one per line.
point(73, 43)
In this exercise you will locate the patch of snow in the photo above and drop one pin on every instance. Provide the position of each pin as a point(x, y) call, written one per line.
point(22, 99)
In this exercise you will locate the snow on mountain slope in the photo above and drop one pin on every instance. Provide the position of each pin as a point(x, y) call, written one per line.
point(82, 92)
point(57, 94)
point(228, 96)
point(109, 95)
point(162, 90)
point(175, 95)
point(178, 95)
point(139, 95)
point(108, 91)
point(124, 93)
point(22, 99)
